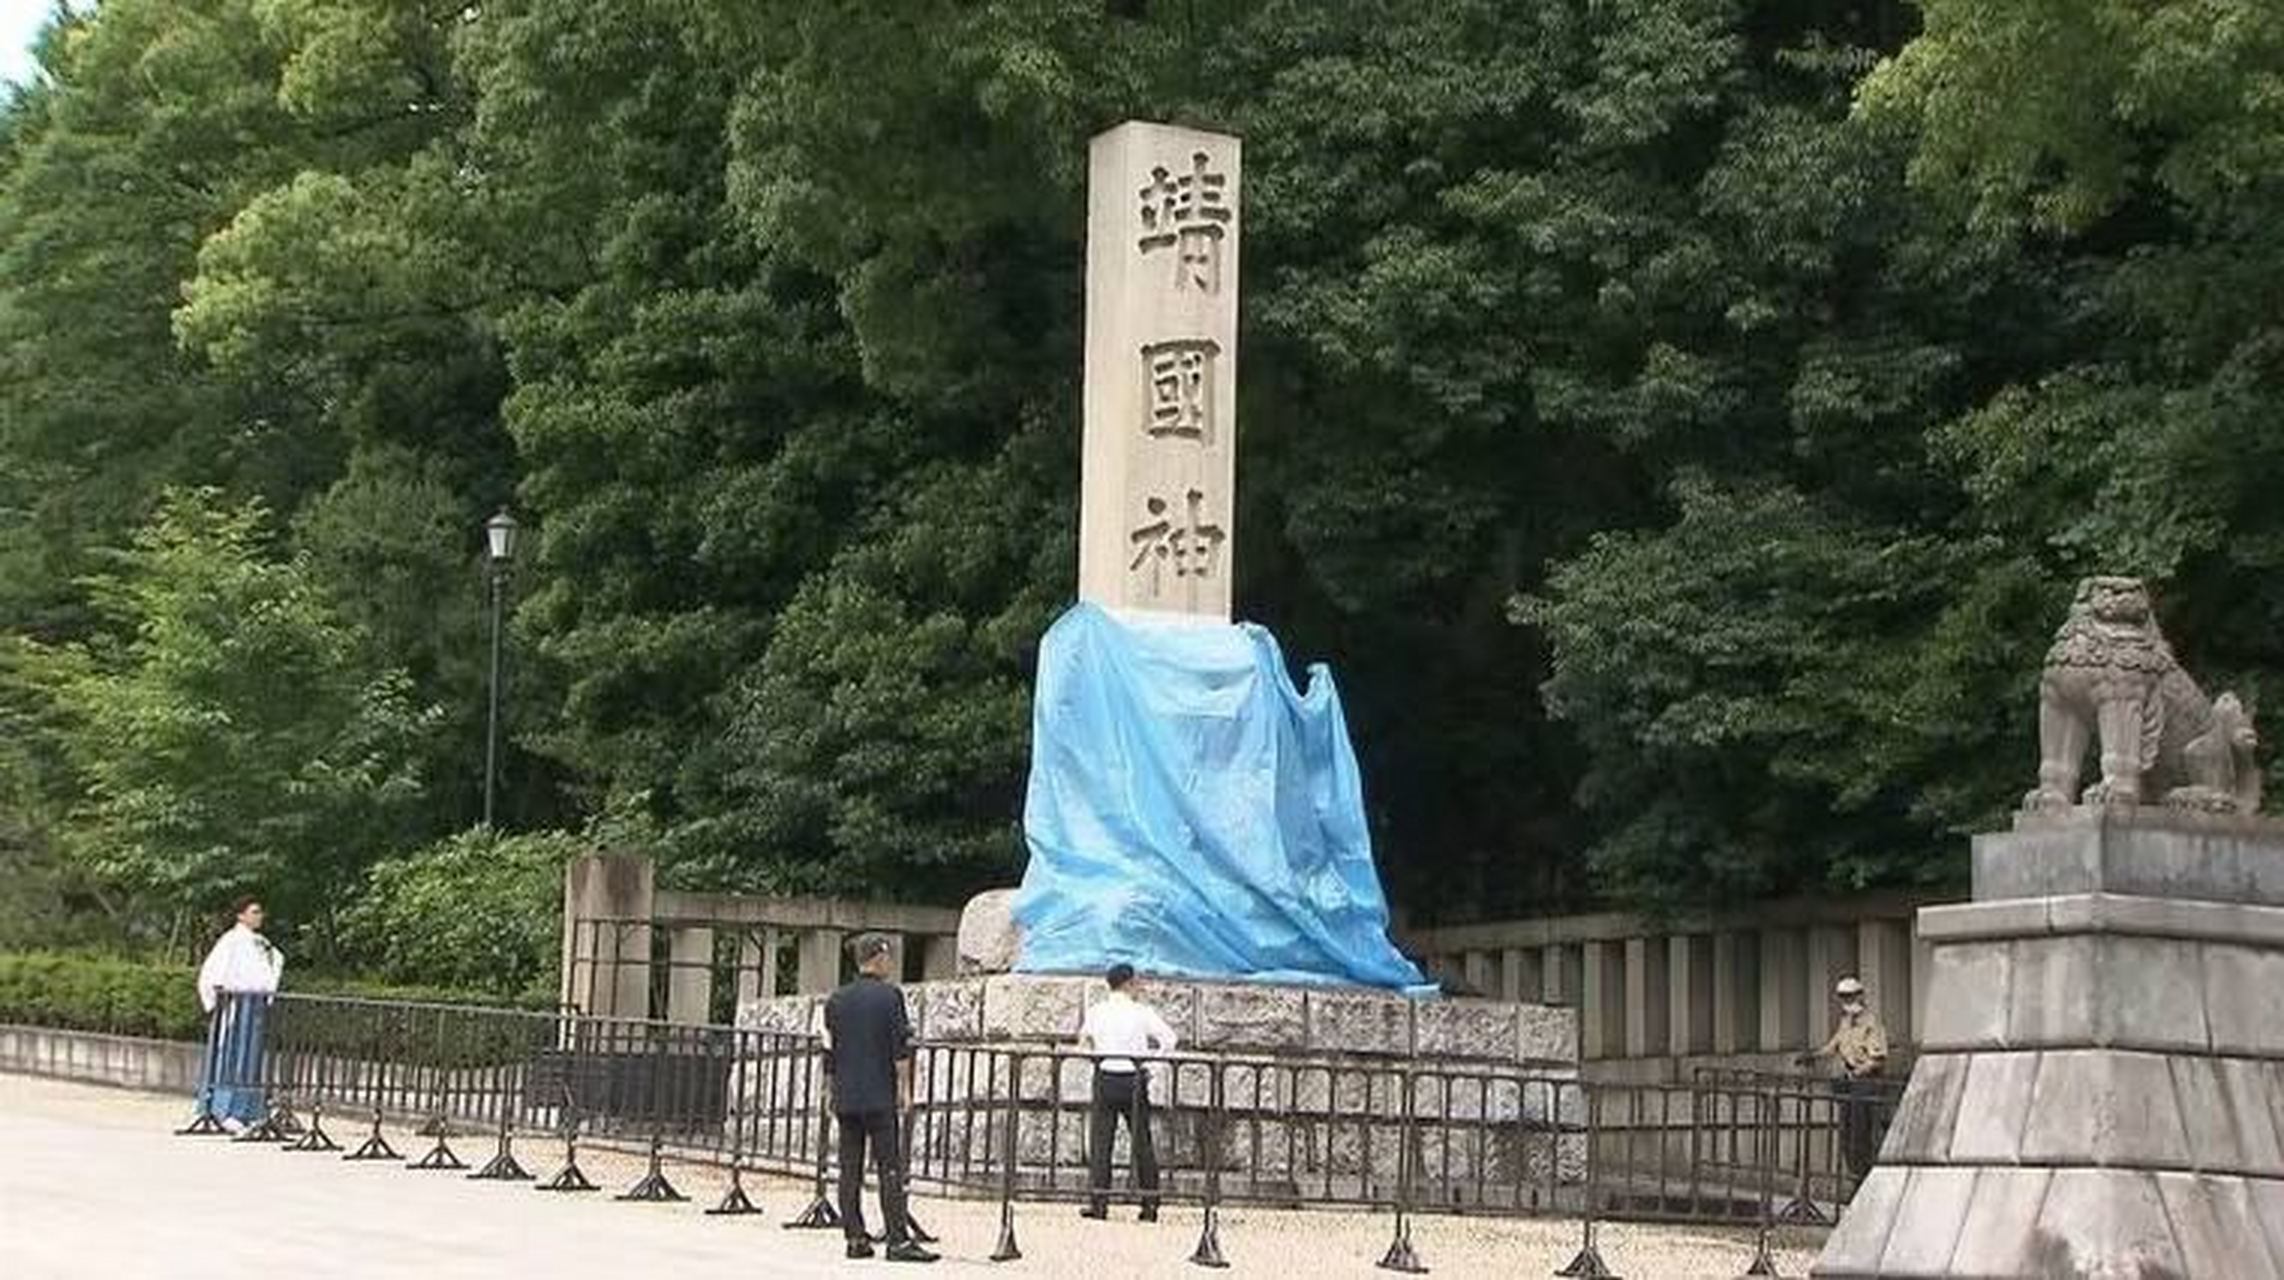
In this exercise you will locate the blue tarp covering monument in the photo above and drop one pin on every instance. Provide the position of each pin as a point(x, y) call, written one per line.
point(1194, 814)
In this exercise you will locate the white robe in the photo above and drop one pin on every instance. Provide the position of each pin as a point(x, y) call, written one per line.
point(242, 960)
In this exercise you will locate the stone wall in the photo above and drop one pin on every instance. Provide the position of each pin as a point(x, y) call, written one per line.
point(1227, 1017)
point(1309, 1086)
point(161, 1066)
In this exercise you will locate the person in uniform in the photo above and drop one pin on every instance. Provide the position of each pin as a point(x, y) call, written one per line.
point(869, 1056)
point(1858, 1049)
point(1121, 1029)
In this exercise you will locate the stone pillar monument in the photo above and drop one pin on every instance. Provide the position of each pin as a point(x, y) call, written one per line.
point(1157, 501)
point(2101, 1086)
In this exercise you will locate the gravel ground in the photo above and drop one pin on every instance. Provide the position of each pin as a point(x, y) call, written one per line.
point(95, 1186)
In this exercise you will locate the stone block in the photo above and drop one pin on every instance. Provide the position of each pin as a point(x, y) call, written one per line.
point(1995, 1239)
point(1994, 1106)
point(1928, 1112)
point(2151, 852)
point(2051, 998)
point(2103, 1222)
point(1252, 1018)
point(1476, 1029)
point(2244, 1000)
point(2007, 918)
point(2206, 1118)
point(786, 1015)
point(2106, 1107)
point(1548, 1034)
point(2266, 1200)
point(951, 1011)
point(2214, 1228)
point(1244, 1087)
point(1175, 1001)
point(1366, 1022)
point(1467, 1099)
point(1858, 1242)
point(2144, 996)
point(989, 941)
point(1969, 992)
point(1032, 1007)
point(1928, 1220)
point(2254, 1104)
point(1053, 1143)
point(1346, 1091)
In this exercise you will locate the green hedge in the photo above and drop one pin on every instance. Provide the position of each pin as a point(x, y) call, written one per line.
point(160, 1000)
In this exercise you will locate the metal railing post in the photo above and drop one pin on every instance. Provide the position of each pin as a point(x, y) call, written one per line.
point(1010, 1153)
point(1208, 1252)
point(1401, 1256)
point(1588, 1264)
point(820, 1215)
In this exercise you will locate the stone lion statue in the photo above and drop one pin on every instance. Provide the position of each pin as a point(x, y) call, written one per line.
point(2111, 680)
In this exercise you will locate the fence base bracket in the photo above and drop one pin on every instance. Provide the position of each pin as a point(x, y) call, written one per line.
point(266, 1130)
point(1401, 1256)
point(1801, 1211)
point(315, 1138)
point(1764, 1262)
point(206, 1125)
point(819, 1216)
point(735, 1202)
point(1588, 1265)
point(570, 1177)
point(1208, 1252)
point(653, 1189)
point(1007, 1250)
point(503, 1166)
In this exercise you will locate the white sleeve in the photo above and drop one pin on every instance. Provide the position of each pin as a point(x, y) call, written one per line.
point(271, 962)
point(210, 973)
point(1087, 1026)
point(1162, 1033)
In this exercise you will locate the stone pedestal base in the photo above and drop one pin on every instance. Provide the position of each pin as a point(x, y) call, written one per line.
point(2100, 1090)
point(1313, 1096)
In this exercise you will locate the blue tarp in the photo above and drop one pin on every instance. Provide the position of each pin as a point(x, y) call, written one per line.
point(1194, 814)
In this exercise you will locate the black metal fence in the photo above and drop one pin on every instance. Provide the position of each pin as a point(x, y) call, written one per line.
point(1010, 1122)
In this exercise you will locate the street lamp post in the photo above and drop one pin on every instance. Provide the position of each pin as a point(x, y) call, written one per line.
point(499, 546)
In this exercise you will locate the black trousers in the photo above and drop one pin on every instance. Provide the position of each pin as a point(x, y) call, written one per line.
point(1861, 1124)
point(878, 1129)
point(1121, 1095)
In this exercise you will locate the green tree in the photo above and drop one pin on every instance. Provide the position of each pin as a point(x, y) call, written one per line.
point(2143, 147)
point(240, 736)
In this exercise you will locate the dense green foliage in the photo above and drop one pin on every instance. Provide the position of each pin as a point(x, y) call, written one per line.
point(477, 911)
point(1677, 420)
point(160, 1000)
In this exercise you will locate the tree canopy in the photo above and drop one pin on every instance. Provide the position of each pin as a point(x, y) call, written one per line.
point(1678, 421)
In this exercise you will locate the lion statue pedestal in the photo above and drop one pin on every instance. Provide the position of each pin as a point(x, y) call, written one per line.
point(2100, 1086)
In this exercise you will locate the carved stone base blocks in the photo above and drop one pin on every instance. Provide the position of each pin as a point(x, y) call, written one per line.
point(2100, 1090)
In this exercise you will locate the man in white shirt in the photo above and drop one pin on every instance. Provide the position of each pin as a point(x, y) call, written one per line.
point(1121, 1029)
point(235, 984)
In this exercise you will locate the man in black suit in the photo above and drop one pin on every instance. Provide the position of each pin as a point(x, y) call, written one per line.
point(869, 1056)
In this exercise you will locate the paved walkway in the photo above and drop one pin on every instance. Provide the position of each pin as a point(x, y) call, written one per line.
point(92, 1184)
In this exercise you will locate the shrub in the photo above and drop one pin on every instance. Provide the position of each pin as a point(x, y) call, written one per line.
point(98, 993)
point(477, 911)
point(160, 1000)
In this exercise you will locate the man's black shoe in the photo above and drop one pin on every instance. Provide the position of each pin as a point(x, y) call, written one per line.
point(908, 1252)
point(1149, 1213)
point(1095, 1212)
point(859, 1248)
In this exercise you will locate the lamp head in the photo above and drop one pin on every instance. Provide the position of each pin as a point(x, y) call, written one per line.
point(499, 537)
